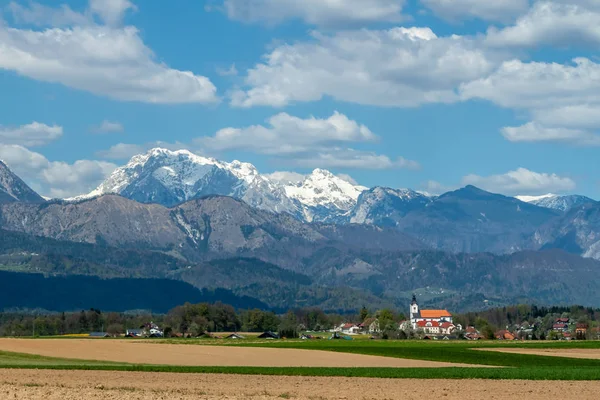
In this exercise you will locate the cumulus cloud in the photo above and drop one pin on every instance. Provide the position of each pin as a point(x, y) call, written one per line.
point(33, 134)
point(521, 181)
point(231, 71)
point(55, 178)
point(41, 15)
point(352, 159)
point(563, 100)
point(457, 10)
point(108, 127)
point(285, 177)
point(111, 11)
point(315, 12)
point(535, 132)
point(102, 59)
point(285, 133)
point(551, 23)
point(395, 67)
point(124, 151)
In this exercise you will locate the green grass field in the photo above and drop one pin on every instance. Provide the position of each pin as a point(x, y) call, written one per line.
point(511, 366)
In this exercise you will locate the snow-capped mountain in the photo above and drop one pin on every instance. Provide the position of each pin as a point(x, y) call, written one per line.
point(385, 206)
point(324, 196)
point(556, 202)
point(13, 189)
point(172, 177)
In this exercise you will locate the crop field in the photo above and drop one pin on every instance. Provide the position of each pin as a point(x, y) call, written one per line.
point(321, 369)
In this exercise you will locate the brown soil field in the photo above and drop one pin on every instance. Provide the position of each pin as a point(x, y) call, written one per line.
point(72, 385)
point(137, 352)
point(570, 353)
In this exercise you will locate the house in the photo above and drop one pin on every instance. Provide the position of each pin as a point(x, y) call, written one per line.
point(560, 327)
point(135, 333)
point(436, 328)
point(504, 335)
point(99, 335)
point(472, 334)
point(417, 315)
point(269, 335)
point(370, 325)
point(348, 329)
point(581, 331)
point(235, 336)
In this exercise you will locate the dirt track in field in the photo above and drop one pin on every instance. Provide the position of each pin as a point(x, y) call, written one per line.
point(131, 351)
point(570, 353)
point(75, 385)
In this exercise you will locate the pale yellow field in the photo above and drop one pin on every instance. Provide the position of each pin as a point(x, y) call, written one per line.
point(139, 352)
point(570, 353)
point(75, 385)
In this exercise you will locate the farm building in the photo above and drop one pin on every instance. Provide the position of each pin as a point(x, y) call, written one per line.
point(268, 335)
point(99, 334)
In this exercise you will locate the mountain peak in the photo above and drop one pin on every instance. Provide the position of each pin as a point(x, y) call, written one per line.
point(13, 189)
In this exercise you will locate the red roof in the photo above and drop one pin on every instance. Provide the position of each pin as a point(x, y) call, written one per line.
point(446, 325)
point(428, 324)
point(348, 326)
point(435, 314)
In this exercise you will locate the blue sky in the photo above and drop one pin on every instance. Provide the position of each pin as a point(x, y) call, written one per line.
point(426, 94)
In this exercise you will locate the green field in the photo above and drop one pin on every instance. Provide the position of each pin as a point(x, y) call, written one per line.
point(511, 366)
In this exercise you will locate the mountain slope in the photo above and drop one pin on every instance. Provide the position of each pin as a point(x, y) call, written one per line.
point(473, 220)
point(13, 189)
point(556, 202)
point(578, 231)
point(385, 206)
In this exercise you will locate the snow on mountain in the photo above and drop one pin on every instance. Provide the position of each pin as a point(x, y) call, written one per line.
point(171, 177)
point(556, 202)
point(13, 189)
point(386, 206)
point(321, 193)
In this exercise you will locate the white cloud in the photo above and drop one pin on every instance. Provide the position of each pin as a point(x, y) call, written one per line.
point(101, 59)
point(289, 134)
point(347, 178)
point(396, 67)
point(551, 23)
point(521, 181)
point(352, 159)
point(315, 12)
point(67, 180)
point(109, 127)
point(231, 71)
point(534, 132)
point(33, 134)
point(124, 151)
point(55, 178)
point(456, 10)
point(111, 11)
point(285, 177)
point(435, 188)
point(562, 99)
point(41, 15)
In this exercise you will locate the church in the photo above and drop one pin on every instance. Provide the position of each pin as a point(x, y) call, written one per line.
point(432, 321)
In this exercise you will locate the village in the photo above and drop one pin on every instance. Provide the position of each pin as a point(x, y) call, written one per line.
point(421, 324)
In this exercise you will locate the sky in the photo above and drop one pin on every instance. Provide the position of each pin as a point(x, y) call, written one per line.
point(424, 94)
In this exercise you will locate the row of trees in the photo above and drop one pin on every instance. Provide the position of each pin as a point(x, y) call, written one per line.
point(195, 319)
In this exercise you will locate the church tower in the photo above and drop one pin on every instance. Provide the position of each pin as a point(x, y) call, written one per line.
point(414, 309)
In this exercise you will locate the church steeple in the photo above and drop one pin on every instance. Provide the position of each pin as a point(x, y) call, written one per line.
point(414, 307)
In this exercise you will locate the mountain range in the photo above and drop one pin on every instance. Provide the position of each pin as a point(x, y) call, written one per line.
point(320, 240)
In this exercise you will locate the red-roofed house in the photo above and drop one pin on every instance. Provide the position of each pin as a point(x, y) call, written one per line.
point(348, 328)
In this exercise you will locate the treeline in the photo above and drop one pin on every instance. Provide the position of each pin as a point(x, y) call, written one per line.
point(187, 319)
point(524, 317)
